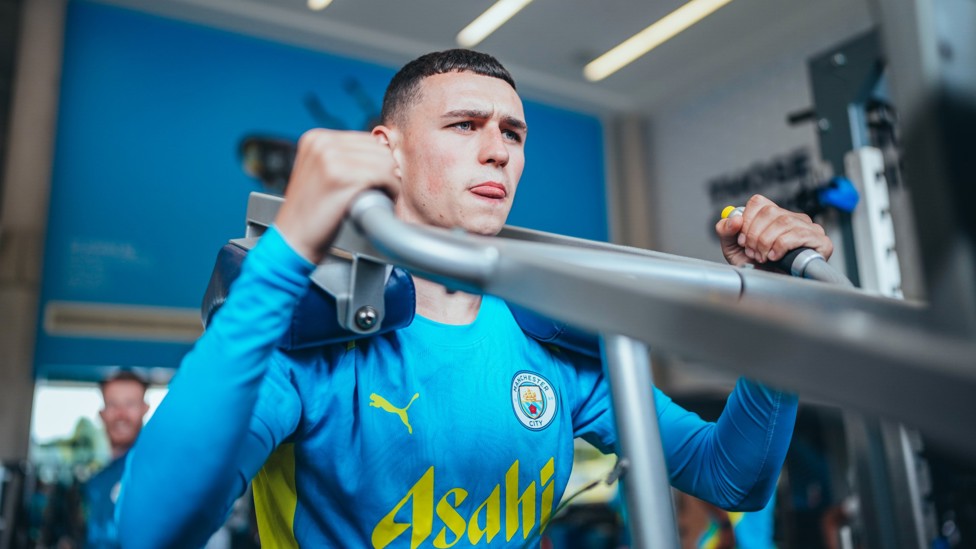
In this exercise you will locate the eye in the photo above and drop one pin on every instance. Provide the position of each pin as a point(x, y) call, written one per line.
point(466, 125)
point(512, 135)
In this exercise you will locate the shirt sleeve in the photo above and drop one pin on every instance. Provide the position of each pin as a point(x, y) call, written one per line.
point(733, 463)
point(205, 442)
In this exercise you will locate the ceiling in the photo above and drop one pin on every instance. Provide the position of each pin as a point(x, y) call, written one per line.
point(547, 44)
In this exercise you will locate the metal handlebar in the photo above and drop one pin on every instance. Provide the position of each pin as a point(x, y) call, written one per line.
point(434, 253)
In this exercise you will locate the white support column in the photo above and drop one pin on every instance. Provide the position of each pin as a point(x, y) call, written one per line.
point(874, 230)
point(628, 181)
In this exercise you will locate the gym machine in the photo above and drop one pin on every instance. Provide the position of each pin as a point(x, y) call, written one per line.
point(913, 76)
point(825, 339)
point(911, 361)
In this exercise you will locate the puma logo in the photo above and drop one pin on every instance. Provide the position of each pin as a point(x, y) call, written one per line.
point(376, 401)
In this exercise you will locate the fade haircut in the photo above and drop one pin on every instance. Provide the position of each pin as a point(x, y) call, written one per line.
point(404, 89)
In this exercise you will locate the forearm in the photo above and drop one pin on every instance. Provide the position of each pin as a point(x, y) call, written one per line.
point(735, 462)
point(192, 459)
point(755, 432)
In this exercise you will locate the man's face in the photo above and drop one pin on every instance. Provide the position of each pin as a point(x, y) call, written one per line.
point(460, 149)
point(125, 406)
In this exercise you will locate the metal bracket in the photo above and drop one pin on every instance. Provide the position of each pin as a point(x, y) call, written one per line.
point(356, 281)
point(358, 285)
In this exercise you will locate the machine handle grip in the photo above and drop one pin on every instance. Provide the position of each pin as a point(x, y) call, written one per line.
point(801, 262)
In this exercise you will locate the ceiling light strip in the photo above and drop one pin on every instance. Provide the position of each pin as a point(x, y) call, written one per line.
point(651, 37)
point(488, 22)
point(318, 5)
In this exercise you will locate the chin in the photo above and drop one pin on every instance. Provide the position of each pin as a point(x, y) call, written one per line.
point(124, 439)
point(486, 228)
point(489, 224)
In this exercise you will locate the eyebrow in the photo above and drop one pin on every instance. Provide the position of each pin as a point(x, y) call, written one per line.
point(484, 115)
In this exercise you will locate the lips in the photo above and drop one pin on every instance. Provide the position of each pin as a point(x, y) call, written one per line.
point(490, 190)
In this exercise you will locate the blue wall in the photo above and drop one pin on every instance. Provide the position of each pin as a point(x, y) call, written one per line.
point(147, 183)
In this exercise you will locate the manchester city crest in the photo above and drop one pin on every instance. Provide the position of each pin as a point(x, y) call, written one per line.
point(533, 400)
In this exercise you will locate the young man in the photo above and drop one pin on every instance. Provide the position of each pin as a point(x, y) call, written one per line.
point(125, 407)
point(414, 438)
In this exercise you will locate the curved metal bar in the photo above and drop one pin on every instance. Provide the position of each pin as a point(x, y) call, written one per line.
point(441, 255)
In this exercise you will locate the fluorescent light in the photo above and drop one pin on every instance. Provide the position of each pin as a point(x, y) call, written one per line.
point(651, 37)
point(318, 5)
point(488, 22)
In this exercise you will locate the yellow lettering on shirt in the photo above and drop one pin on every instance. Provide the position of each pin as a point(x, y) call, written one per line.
point(452, 519)
point(422, 515)
point(545, 475)
point(483, 524)
point(512, 502)
point(493, 519)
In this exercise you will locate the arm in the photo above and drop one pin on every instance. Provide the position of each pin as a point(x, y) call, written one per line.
point(735, 462)
point(747, 446)
point(201, 447)
point(205, 442)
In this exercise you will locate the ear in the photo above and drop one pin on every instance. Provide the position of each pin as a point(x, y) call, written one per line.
point(392, 138)
point(101, 414)
point(387, 136)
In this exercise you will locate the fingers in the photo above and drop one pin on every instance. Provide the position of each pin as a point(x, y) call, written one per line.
point(332, 161)
point(728, 232)
point(769, 232)
point(729, 227)
point(331, 168)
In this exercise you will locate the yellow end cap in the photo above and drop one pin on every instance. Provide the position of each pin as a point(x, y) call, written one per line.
point(728, 210)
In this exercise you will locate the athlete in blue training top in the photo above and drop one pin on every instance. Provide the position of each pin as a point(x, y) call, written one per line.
point(455, 431)
point(124, 397)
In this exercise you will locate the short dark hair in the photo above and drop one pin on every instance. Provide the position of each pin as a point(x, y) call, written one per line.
point(404, 87)
point(124, 375)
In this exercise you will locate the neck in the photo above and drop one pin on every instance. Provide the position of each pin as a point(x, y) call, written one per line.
point(436, 303)
point(119, 451)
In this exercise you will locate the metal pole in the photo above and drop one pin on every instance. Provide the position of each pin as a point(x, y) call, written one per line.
point(647, 490)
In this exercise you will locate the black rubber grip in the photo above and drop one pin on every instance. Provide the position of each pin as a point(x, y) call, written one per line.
point(786, 262)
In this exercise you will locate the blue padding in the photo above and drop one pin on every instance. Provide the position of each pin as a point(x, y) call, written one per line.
point(839, 193)
point(556, 333)
point(315, 321)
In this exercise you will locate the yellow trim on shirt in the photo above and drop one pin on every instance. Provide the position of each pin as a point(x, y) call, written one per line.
point(275, 499)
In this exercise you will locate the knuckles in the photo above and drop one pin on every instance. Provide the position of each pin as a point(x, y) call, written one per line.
point(781, 229)
point(757, 201)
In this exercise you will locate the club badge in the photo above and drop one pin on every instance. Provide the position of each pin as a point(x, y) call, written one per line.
point(533, 400)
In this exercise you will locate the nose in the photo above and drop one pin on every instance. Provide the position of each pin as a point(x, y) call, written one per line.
point(494, 149)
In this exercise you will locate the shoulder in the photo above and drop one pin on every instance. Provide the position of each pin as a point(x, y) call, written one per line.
point(315, 371)
point(109, 475)
point(312, 358)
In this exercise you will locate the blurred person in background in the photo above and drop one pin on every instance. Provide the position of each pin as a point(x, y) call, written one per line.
point(123, 413)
